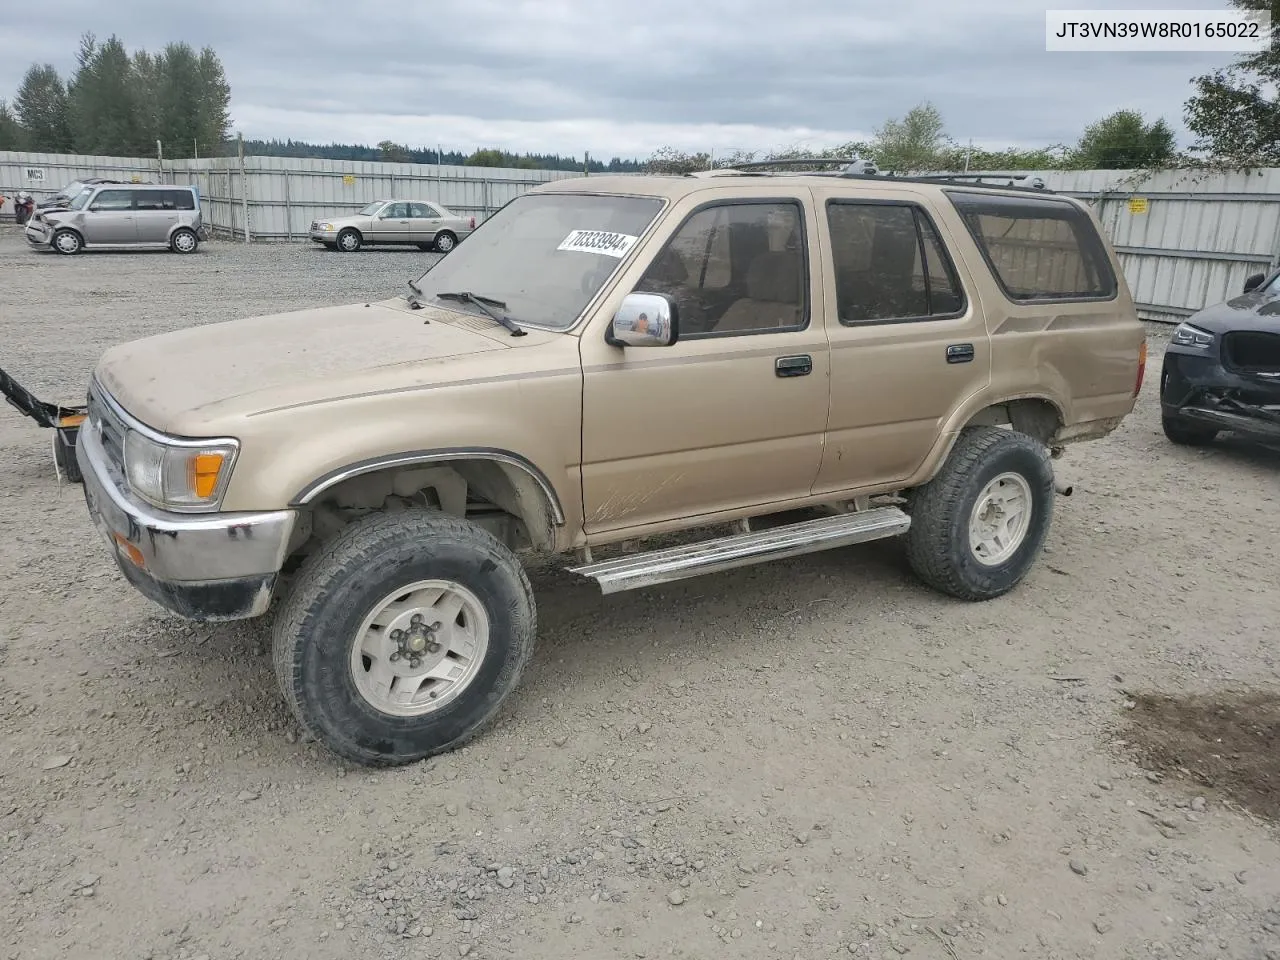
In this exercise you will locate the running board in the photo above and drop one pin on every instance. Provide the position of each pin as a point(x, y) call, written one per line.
point(744, 549)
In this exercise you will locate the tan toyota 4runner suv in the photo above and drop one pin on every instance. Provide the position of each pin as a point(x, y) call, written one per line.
point(607, 360)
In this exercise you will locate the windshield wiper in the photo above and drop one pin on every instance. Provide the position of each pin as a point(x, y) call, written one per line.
point(486, 304)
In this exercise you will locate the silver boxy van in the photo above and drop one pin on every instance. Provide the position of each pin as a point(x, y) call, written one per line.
point(121, 215)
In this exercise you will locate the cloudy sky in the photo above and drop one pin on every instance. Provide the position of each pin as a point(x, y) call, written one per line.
point(619, 78)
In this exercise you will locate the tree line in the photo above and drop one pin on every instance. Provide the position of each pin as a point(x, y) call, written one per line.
point(919, 143)
point(120, 104)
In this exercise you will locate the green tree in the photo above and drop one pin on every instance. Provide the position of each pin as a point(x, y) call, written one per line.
point(669, 160)
point(105, 104)
point(12, 136)
point(1235, 112)
point(1124, 141)
point(41, 108)
point(213, 103)
point(914, 143)
point(393, 152)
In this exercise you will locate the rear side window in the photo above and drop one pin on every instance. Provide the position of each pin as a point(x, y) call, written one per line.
point(1038, 249)
point(890, 264)
point(148, 199)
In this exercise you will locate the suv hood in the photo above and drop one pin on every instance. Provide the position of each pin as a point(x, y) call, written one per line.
point(1250, 311)
point(177, 381)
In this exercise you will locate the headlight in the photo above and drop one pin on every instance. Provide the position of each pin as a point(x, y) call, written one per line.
point(326, 226)
point(179, 474)
point(1188, 336)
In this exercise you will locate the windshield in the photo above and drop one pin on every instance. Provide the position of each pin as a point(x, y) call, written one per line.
point(70, 190)
point(544, 255)
point(371, 209)
point(81, 198)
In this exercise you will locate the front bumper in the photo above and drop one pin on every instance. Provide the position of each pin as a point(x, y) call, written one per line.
point(220, 566)
point(36, 233)
point(1196, 386)
point(324, 236)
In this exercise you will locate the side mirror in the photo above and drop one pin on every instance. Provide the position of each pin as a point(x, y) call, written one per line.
point(645, 320)
point(1254, 282)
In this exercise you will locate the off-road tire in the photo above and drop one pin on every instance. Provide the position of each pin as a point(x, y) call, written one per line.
point(938, 543)
point(66, 248)
point(445, 241)
point(1185, 433)
point(349, 240)
point(175, 244)
point(340, 584)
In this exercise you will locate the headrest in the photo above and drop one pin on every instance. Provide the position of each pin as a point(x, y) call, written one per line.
point(775, 277)
point(668, 267)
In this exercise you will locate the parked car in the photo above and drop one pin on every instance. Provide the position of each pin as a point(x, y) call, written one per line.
point(114, 215)
point(1221, 370)
point(428, 226)
point(898, 357)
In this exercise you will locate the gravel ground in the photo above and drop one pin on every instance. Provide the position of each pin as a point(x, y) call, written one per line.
point(810, 759)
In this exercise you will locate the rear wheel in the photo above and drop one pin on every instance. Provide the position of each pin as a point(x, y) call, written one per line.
point(446, 241)
point(67, 242)
point(979, 525)
point(403, 636)
point(349, 240)
point(184, 241)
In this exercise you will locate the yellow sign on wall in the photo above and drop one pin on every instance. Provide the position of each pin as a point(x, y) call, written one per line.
point(348, 180)
point(1137, 204)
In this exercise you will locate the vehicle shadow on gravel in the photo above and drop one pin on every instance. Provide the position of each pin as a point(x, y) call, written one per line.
point(1227, 741)
point(730, 619)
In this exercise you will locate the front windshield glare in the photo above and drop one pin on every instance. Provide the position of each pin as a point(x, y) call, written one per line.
point(544, 255)
point(371, 209)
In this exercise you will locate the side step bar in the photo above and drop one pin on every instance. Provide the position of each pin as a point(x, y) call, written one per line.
point(744, 549)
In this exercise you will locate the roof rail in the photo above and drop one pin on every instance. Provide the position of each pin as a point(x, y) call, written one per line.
point(858, 168)
point(1025, 180)
point(849, 165)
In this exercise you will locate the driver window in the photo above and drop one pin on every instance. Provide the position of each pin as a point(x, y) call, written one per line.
point(113, 200)
point(735, 268)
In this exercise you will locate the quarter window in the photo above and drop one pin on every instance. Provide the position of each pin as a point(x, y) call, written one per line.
point(1038, 249)
point(890, 264)
point(736, 268)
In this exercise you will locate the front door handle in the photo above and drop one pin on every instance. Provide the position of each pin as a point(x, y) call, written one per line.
point(800, 366)
point(959, 353)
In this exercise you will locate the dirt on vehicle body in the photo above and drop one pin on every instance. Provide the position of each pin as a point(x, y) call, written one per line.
point(606, 360)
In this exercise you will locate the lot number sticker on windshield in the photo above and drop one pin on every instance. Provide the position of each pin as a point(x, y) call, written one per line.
point(598, 241)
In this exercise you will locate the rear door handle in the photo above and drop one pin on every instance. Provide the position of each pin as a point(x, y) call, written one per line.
point(800, 366)
point(959, 353)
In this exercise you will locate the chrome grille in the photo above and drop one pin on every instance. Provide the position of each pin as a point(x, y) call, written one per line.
point(109, 427)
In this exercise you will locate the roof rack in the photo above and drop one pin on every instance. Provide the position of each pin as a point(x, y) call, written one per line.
point(860, 168)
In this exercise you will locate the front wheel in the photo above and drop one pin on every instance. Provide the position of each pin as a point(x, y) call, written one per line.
point(401, 638)
point(67, 242)
point(349, 241)
point(978, 526)
point(446, 242)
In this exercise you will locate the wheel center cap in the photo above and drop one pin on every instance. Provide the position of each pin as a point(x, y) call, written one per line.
point(418, 643)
